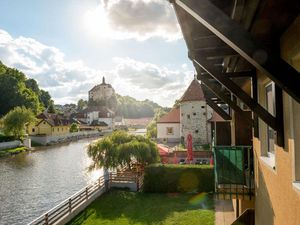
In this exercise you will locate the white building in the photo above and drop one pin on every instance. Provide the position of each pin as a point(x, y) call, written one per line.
point(168, 127)
point(97, 116)
point(192, 117)
point(101, 91)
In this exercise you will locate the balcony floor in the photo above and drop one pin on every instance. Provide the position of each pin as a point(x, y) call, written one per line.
point(224, 212)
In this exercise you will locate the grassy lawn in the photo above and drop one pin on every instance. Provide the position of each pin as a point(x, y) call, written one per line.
point(123, 207)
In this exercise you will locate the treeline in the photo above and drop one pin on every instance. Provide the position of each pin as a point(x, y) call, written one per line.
point(129, 107)
point(17, 90)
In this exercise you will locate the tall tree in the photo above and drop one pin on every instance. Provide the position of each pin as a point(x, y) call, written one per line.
point(14, 121)
point(81, 104)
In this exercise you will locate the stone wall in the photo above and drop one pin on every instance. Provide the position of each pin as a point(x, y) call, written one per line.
point(193, 120)
point(9, 144)
point(48, 139)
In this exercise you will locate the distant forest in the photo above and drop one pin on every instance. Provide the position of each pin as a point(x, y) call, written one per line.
point(129, 107)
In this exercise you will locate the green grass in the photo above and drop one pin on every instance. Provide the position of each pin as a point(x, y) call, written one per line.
point(12, 151)
point(124, 207)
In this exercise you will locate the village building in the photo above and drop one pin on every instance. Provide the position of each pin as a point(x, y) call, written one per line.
point(99, 116)
point(101, 92)
point(168, 127)
point(191, 117)
point(49, 124)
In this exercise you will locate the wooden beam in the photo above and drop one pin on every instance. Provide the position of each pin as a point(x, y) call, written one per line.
point(238, 92)
point(218, 110)
point(240, 74)
point(279, 116)
point(255, 97)
point(220, 94)
point(235, 36)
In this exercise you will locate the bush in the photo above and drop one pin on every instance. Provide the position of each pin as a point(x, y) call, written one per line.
point(178, 178)
point(4, 138)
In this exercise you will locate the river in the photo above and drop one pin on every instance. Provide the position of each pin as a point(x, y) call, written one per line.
point(34, 182)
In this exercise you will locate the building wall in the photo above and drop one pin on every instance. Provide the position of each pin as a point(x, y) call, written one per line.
point(162, 132)
point(100, 93)
point(277, 192)
point(194, 116)
point(60, 130)
point(45, 129)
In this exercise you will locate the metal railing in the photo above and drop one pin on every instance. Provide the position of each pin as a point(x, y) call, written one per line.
point(66, 207)
point(234, 171)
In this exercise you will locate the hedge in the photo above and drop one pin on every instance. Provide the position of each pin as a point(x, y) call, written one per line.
point(178, 178)
point(4, 138)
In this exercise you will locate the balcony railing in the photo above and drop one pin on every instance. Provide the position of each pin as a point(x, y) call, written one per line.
point(233, 172)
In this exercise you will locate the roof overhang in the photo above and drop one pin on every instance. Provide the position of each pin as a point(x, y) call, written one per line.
point(227, 43)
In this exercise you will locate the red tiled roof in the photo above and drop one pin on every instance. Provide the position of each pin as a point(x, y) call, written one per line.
point(171, 117)
point(216, 118)
point(193, 93)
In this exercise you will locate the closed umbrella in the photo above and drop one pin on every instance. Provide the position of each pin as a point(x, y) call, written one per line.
point(190, 148)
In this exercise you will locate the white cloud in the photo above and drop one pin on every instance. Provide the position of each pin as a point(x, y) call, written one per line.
point(68, 81)
point(132, 19)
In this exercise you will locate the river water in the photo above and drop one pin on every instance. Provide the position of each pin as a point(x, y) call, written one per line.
point(32, 183)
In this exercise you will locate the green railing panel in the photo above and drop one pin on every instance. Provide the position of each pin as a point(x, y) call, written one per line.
point(229, 164)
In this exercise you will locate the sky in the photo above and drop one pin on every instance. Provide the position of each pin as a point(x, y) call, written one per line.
point(67, 46)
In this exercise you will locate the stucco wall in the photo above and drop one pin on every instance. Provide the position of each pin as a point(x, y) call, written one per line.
point(100, 93)
point(193, 118)
point(162, 132)
point(277, 200)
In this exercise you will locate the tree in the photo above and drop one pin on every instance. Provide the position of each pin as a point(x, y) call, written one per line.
point(152, 126)
point(51, 108)
point(17, 90)
point(14, 121)
point(74, 128)
point(81, 104)
point(45, 98)
point(121, 149)
point(152, 129)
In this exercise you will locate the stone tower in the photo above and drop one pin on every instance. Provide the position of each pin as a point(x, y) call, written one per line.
point(194, 115)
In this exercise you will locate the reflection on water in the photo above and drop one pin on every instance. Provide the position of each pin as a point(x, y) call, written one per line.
point(32, 183)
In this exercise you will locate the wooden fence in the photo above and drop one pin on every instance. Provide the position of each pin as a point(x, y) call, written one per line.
point(66, 207)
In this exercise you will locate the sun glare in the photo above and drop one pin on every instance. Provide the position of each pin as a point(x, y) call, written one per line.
point(96, 23)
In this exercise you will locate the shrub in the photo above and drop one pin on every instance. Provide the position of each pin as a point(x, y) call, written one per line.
point(178, 178)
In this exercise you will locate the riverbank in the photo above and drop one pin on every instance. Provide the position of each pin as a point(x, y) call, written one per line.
point(50, 140)
point(13, 151)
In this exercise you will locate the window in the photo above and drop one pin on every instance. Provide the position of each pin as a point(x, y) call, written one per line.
point(188, 116)
point(169, 130)
point(57, 129)
point(194, 114)
point(203, 107)
point(33, 130)
point(270, 105)
point(44, 122)
point(53, 129)
point(196, 131)
point(181, 114)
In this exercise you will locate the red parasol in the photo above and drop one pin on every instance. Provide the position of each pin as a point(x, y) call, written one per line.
point(190, 147)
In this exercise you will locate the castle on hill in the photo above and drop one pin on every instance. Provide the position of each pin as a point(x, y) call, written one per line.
point(101, 91)
point(97, 114)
